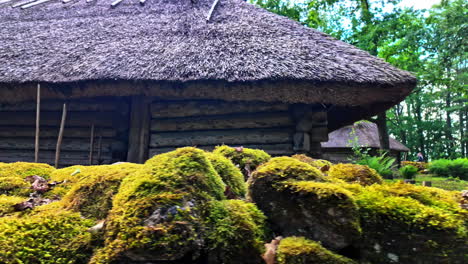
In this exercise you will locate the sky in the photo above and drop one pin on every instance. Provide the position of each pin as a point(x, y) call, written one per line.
point(419, 4)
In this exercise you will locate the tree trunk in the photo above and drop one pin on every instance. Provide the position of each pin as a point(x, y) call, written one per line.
point(383, 131)
point(448, 125)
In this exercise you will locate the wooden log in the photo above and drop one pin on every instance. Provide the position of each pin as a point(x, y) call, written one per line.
point(138, 138)
point(257, 120)
point(219, 137)
point(272, 149)
point(60, 135)
point(203, 107)
point(81, 144)
point(91, 145)
point(79, 119)
point(86, 105)
point(51, 132)
point(38, 118)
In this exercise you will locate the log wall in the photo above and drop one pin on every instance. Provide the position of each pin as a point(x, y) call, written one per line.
point(208, 123)
point(17, 131)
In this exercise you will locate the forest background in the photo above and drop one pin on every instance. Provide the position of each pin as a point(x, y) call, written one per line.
point(431, 43)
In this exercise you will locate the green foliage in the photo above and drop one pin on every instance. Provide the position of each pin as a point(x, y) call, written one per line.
point(299, 250)
point(408, 171)
point(382, 164)
point(235, 231)
point(50, 236)
point(457, 168)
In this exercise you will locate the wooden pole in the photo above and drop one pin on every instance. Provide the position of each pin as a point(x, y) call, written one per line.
point(91, 146)
point(99, 150)
point(60, 136)
point(38, 117)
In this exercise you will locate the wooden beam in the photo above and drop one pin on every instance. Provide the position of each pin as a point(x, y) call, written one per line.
point(138, 138)
point(213, 6)
point(60, 136)
point(91, 145)
point(116, 3)
point(35, 3)
point(38, 118)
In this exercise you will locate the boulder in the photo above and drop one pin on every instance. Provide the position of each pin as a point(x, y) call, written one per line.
point(246, 159)
point(354, 173)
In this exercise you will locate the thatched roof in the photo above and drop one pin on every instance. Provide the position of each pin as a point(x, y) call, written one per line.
point(168, 48)
point(367, 134)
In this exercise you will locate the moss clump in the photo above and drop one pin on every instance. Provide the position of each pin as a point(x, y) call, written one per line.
point(50, 236)
point(7, 203)
point(298, 250)
point(14, 186)
point(230, 174)
point(92, 194)
point(156, 213)
point(235, 232)
point(68, 177)
point(246, 159)
point(286, 168)
point(25, 169)
point(317, 163)
point(354, 173)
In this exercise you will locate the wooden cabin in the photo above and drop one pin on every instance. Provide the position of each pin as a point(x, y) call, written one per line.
point(141, 79)
point(364, 134)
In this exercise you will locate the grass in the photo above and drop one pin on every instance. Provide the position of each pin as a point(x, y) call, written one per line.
point(450, 184)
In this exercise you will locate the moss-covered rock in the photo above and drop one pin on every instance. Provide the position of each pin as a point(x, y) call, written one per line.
point(320, 164)
point(235, 232)
point(246, 159)
point(67, 177)
point(404, 223)
point(14, 186)
point(7, 202)
point(92, 194)
point(285, 190)
point(156, 214)
point(50, 236)
point(25, 169)
point(354, 173)
point(299, 250)
point(229, 173)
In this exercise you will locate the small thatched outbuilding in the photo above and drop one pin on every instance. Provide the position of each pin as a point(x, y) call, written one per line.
point(364, 134)
point(170, 73)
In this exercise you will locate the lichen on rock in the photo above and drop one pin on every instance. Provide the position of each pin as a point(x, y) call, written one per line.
point(354, 173)
point(299, 250)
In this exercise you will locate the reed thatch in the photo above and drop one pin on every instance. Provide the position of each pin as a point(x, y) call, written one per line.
point(167, 48)
point(367, 135)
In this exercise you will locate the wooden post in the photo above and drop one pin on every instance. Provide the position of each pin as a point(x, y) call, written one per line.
point(99, 150)
point(311, 129)
point(427, 183)
point(60, 136)
point(38, 117)
point(91, 146)
point(138, 138)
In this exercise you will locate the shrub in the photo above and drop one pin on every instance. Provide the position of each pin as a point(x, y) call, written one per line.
point(420, 165)
point(408, 171)
point(446, 168)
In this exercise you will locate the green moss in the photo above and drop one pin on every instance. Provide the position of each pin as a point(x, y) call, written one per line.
point(180, 181)
point(235, 232)
point(298, 250)
point(68, 177)
point(230, 174)
point(323, 190)
point(354, 173)
point(412, 206)
point(24, 169)
point(286, 168)
point(317, 163)
point(7, 203)
point(243, 157)
point(92, 194)
point(51, 236)
point(14, 186)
